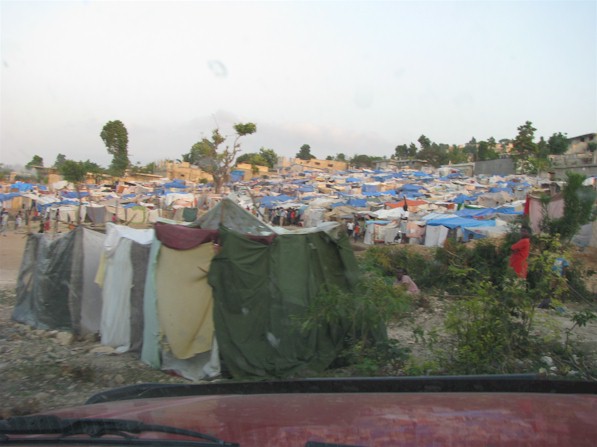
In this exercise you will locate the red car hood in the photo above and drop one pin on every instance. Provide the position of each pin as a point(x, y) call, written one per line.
point(372, 419)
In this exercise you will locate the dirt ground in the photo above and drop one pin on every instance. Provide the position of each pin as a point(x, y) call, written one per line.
point(42, 370)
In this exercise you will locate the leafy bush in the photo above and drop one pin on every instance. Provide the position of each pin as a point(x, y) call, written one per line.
point(363, 313)
point(386, 259)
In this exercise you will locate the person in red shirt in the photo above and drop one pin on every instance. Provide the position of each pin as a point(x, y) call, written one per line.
point(520, 253)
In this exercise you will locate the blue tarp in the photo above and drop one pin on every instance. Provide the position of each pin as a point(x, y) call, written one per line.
point(237, 176)
point(475, 212)
point(379, 193)
point(412, 195)
point(508, 190)
point(464, 198)
point(74, 195)
point(9, 196)
point(508, 210)
point(22, 186)
point(271, 201)
point(357, 203)
point(369, 188)
point(467, 235)
point(307, 188)
point(411, 187)
point(175, 184)
point(456, 222)
point(456, 175)
point(352, 180)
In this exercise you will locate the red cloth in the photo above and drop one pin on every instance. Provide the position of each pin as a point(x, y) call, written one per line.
point(180, 237)
point(519, 256)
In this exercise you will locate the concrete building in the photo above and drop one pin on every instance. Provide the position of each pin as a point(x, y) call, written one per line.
point(286, 164)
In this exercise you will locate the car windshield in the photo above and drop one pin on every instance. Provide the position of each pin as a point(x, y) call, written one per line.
point(204, 192)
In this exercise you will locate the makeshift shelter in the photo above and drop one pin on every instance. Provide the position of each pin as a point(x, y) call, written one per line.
point(261, 291)
point(44, 281)
point(57, 288)
point(260, 283)
point(121, 274)
point(178, 330)
point(439, 227)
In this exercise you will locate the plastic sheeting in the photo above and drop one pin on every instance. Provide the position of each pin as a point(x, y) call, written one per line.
point(44, 281)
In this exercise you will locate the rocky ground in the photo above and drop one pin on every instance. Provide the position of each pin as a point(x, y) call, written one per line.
point(42, 370)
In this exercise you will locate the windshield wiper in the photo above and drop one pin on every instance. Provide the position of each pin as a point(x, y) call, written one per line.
point(95, 428)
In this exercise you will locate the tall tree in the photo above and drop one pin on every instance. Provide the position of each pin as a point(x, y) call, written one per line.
point(486, 150)
point(305, 153)
point(270, 156)
point(579, 208)
point(471, 148)
point(364, 161)
point(340, 157)
point(435, 154)
point(424, 142)
point(542, 148)
point(35, 161)
point(116, 139)
point(523, 145)
point(457, 155)
point(60, 159)
point(216, 158)
point(558, 143)
point(524, 149)
point(401, 152)
point(252, 158)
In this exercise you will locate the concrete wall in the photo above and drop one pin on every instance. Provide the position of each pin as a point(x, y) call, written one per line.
point(501, 166)
point(588, 170)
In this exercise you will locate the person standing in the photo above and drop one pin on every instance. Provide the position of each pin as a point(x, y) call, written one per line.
point(18, 221)
point(349, 227)
point(356, 231)
point(520, 253)
point(3, 221)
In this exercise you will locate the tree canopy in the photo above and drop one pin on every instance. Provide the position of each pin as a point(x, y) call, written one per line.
point(73, 171)
point(35, 161)
point(116, 139)
point(579, 208)
point(214, 159)
point(305, 153)
point(60, 159)
point(558, 143)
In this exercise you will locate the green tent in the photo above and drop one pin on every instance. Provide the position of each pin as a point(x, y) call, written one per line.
point(261, 290)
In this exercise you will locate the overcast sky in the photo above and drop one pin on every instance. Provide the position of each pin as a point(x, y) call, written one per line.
point(343, 77)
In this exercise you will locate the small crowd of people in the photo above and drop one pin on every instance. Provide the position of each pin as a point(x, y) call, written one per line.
point(354, 230)
point(284, 216)
point(4, 218)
